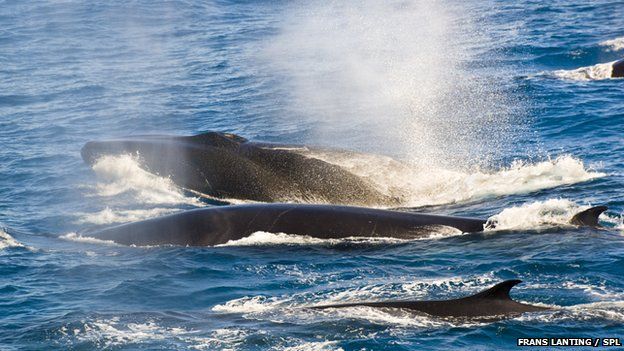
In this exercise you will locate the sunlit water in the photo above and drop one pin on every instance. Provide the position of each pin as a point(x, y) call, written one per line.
point(494, 109)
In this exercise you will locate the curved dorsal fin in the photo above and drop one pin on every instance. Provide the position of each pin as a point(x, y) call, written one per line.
point(589, 217)
point(499, 291)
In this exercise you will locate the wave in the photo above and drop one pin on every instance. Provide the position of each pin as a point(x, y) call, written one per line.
point(109, 216)
point(538, 215)
point(7, 240)
point(435, 186)
point(614, 44)
point(600, 71)
point(122, 174)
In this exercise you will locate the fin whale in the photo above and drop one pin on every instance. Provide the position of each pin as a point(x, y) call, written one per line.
point(220, 224)
point(494, 302)
point(225, 165)
point(618, 69)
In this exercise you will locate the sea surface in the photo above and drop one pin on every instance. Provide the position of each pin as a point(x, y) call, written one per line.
point(498, 109)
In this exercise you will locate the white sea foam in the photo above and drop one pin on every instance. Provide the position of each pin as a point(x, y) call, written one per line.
point(612, 311)
point(537, 215)
point(109, 216)
point(266, 238)
point(614, 44)
point(7, 240)
point(315, 346)
point(109, 333)
point(596, 72)
point(433, 186)
point(114, 333)
point(85, 239)
point(123, 174)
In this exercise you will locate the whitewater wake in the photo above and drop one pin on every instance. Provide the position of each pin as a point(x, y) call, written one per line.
point(425, 186)
point(600, 71)
point(7, 240)
point(614, 44)
point(540, 215)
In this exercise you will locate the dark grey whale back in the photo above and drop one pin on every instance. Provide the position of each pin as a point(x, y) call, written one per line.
point(220, 224)
point(226, 165)
point(494, 302)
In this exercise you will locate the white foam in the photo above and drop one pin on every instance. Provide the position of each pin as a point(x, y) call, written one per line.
point(265, 238)
point(7, 240)
point(85, 239)
point(123, 174)
point(112, 333)
point(614, 44)
point(315, 346)
point(612, 311)
point(434, 186)
point(109, 216)
point(537, 215)
point(596, 72)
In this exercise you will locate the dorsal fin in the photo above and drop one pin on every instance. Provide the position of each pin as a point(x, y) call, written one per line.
point(216, 139)
point(588, 217)
point(499, 291)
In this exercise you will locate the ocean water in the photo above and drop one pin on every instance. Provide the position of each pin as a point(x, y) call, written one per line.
point(494, 108)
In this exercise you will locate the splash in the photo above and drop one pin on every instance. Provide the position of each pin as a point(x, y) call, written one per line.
point(423, 186)
point(123, 175)
point(393, 76)
point(538, 215)
point(614, 44)
point(600, 71)
point(7, 240)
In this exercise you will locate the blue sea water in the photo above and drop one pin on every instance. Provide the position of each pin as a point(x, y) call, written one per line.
point(499, 108)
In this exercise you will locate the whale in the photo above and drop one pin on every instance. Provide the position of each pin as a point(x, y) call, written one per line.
point(618, 69)
point(218, 225)
point(493, 303)
point(228, 166)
